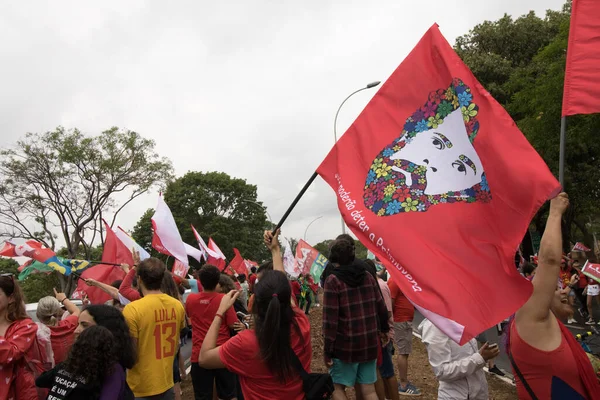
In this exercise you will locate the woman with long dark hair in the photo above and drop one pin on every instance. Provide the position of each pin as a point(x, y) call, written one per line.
point(91, 370)
point(263, 357)
point(112, 319)
point(17, 336)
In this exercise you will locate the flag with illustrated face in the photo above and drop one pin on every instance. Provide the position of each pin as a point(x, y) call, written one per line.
point(437, 181)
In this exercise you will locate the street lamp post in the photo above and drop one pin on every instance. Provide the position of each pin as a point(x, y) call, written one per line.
point(311, 222)
point(261, 206)
point(369, 86)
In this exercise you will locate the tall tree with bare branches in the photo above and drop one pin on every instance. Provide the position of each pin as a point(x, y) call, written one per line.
point(56, 186)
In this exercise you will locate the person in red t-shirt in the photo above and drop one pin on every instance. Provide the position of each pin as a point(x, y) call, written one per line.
point(551, 364)
point(202, 308)
point(252, 279)
point(403, 312)
point(49, 312)
point(262, 357)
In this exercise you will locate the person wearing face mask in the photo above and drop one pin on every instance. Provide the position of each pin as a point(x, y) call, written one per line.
point(547, 361)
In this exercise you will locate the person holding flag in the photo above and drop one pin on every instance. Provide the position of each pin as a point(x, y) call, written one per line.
point(547, 360)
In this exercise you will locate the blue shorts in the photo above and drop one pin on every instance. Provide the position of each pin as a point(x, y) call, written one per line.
point(387, 365)
point(348, 374)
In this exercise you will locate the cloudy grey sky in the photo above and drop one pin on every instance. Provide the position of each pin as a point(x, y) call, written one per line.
point(245, 87)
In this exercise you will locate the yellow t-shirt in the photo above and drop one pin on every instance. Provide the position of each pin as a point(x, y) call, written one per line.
point(155, 321)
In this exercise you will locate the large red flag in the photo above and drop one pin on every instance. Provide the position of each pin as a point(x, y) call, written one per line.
point(435, 178)
point(582, 75)
point(114, 252)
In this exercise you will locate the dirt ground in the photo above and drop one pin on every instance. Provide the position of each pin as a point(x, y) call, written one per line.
point(420, 373)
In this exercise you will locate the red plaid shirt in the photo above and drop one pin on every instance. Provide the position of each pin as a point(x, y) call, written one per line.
point(352, 317)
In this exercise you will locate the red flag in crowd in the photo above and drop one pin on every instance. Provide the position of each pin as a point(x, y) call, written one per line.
point(179, 269)
point(582, 75)
point(114, 252)
point(237, 263)
point(580, 247)
point(206, 252)
point(250, 264)
point(166, 238)
point(435, 178)
point(216, 258)
point(35, 250)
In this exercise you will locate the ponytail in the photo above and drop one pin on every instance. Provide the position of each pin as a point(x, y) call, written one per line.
point(273, 319)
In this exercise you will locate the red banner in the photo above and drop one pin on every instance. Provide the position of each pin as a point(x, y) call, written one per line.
point(580, 247)
point(237, 265)
point(435, 178)
point(582, 74)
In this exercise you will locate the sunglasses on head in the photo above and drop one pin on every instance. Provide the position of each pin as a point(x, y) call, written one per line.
point(12, 278)
point(8, 275)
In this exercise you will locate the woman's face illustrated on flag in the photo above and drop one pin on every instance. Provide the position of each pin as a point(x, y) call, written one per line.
point(448, 158)
point(433, 161)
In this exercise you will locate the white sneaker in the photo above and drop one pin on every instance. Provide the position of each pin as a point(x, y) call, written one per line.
point(571, 321)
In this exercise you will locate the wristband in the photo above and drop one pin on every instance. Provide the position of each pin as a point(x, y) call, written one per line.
point(63, 300)
point(220, 316)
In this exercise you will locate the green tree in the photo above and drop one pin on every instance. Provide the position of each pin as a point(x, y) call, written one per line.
point(323, 248)
point(522, 63)
point(58, 185)
point(220, 207)
point(35, 286)
point(537, 108)
point(494, 50)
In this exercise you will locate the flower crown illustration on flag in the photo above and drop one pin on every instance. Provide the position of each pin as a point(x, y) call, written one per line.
point(433, 161)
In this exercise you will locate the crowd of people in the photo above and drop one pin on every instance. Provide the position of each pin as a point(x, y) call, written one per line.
point(251, 335)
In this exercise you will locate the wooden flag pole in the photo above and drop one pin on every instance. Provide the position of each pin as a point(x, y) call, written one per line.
point(296, 200)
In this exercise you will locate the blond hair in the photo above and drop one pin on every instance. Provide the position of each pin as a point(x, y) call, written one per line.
point(48, 310)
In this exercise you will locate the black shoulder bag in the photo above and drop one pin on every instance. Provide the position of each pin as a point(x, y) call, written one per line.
point(315, 386)
point(521, 377)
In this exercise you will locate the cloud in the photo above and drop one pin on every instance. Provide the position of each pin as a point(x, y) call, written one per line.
point(248, 88)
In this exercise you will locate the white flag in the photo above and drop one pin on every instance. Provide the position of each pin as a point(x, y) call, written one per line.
point(166, 238)
point(289, 261)
point(130, 243)
point(193, 252)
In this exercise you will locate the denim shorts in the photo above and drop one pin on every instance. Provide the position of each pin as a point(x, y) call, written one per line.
point(348, 374)
point(387, 365)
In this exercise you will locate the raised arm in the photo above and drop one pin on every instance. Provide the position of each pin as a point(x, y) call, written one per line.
point(69, 306)
point(537, 308)
point(272, 243)
point(113, 292)
point(126, 290)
